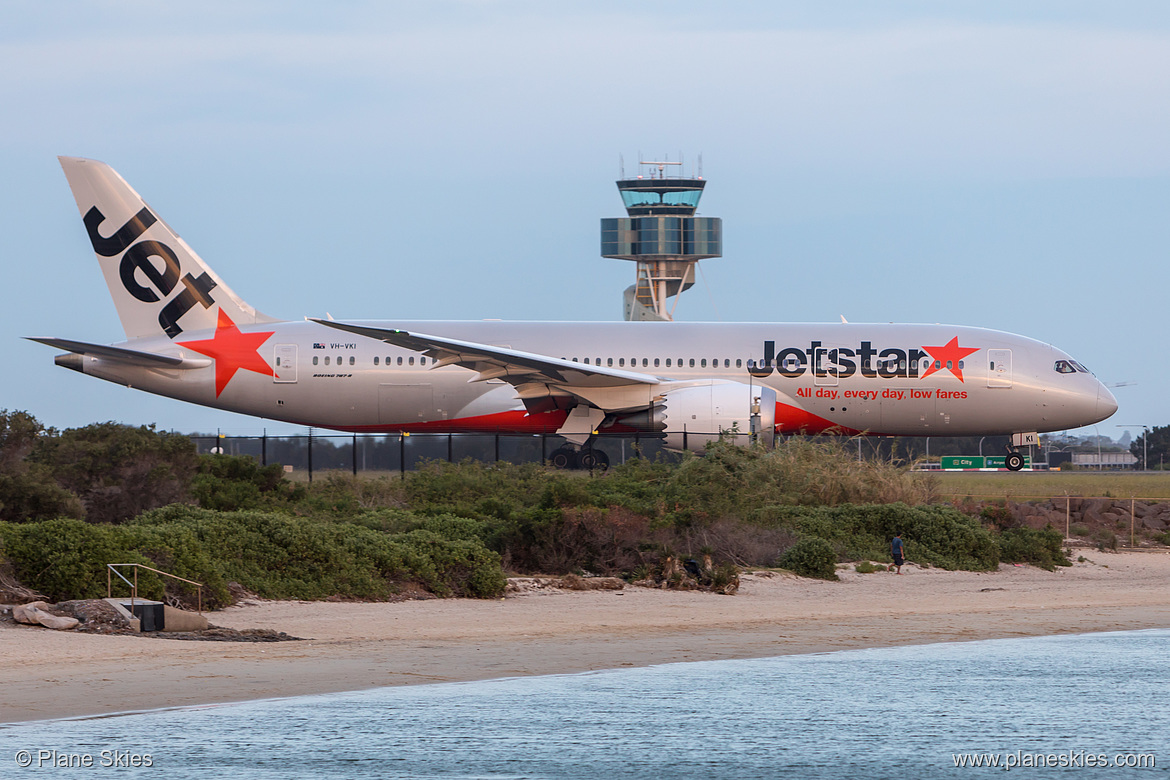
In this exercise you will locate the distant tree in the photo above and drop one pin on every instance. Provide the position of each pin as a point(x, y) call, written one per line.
point(19, 432)
point(120, 471)
point(1158, 448)
point(28, 491)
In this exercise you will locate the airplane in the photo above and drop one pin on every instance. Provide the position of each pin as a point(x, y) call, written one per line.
point(190, 337)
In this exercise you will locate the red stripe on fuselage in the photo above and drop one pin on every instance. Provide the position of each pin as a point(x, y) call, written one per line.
point(502, 422)
point(793, 419)
point(789, 419)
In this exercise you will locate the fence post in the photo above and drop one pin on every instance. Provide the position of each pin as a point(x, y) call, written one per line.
point(402, 453)
point(310, 455)
point(449, 436)
point(355, 454)
point(264, 448)
point(497, 446)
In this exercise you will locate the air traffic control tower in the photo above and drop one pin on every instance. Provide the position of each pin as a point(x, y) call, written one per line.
point(662, 235)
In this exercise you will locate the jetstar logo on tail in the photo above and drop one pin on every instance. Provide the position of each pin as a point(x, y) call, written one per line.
point(232, 350)
point(865, 359)
point(158, 263)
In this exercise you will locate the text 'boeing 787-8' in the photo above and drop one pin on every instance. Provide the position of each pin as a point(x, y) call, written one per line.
point(190, 337)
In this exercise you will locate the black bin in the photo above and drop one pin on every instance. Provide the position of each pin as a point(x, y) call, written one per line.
point(150, 614)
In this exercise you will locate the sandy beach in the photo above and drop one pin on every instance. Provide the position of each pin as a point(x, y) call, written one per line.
point(51, 674)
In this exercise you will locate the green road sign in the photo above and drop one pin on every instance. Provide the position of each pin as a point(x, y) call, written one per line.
point(955, 462)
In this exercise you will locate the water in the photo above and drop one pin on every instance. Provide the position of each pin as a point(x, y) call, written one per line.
point(884, 713)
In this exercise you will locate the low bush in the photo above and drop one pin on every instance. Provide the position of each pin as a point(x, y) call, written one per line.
point(811, 557)
point(66, 558)
point(934, 535)
point(228, 483)
point(1105, 539)
point(273, 555)
point(1038, 547)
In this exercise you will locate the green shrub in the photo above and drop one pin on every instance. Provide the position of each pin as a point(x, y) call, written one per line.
point(278, 556)
point(1163, 538)
point(233, 482)
point(66, 558)
point(811, 557)
point(274, 555)
point(1079, 530)
point(865, 567)
point(1105, 539)
point(934, 535)
point(1041, 548)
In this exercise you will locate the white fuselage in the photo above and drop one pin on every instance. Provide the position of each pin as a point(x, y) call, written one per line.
point(873, 378)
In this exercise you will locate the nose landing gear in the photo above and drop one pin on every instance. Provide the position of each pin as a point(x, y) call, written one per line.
point(1015, 460)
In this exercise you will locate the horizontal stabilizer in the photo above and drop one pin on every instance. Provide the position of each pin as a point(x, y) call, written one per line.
point(132, 356)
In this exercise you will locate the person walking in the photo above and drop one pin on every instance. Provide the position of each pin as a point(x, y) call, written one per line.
point(896, 551)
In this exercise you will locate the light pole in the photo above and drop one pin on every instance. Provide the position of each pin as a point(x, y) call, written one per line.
point(1145, 442)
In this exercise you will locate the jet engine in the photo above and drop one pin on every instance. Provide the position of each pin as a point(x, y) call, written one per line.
point(700, 412)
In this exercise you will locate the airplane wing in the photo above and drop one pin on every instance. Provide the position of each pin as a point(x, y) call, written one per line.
point(535, 376)
point(133, 356)
point(498, 362)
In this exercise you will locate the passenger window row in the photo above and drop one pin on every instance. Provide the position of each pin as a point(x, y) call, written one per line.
point(422, 361)
point(659, 362)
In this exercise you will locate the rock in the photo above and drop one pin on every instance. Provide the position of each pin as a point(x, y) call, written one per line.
point(37, 613)
point(1091, 515)
point(59, 623)
point(27, 613)
point(1159, 510)
point(1154, 523)
point(1096, 505)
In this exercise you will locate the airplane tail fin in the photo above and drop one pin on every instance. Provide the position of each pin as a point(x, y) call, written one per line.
point(159, 285)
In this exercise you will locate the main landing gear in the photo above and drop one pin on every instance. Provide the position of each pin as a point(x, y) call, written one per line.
point(585, 458)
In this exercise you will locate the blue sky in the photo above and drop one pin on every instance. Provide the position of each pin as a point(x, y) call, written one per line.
point(979, 163)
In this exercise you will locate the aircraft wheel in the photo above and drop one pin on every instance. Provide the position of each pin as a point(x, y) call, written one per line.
point(594, 459)
point(563, 459)
point(1014, 461)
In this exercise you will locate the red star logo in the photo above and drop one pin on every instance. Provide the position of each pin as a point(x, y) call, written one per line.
point(232, 350)
point(948, 357)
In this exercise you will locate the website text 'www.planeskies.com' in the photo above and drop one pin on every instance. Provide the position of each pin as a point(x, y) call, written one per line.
point(1064, 759)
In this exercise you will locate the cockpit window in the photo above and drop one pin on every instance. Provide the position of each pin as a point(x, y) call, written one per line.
point(1080, 367)
point(1064, 367)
